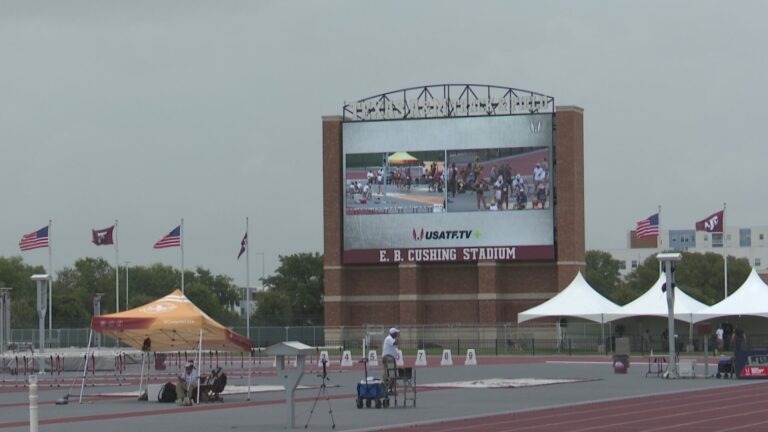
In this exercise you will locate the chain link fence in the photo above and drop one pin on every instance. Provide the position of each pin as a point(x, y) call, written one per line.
point(501, 339)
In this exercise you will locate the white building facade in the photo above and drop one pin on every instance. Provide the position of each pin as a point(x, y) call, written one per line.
point(750, 243)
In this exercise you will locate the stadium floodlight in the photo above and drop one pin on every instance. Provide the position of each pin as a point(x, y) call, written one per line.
point(668, 261)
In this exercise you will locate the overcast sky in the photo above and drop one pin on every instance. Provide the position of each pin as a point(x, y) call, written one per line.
point(150, 111)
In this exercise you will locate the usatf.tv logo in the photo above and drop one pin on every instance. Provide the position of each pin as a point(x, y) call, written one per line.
point(442, 235)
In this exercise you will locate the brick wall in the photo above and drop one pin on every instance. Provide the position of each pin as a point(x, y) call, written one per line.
point(485, 292)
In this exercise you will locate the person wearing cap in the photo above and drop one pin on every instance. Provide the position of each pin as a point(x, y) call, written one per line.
point(389, 356)
point(186, 384)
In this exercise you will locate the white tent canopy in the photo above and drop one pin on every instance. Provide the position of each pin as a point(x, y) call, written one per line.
point(750, 299)
point(577, 300)
point(654, 303)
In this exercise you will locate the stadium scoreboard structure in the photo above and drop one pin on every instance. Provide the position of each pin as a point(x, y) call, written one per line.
point(461, 198)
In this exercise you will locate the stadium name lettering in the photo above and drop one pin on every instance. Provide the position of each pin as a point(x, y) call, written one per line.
point(383, 109)
point(447, 254)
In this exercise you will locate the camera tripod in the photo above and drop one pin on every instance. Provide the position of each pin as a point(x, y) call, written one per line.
point(322, 391)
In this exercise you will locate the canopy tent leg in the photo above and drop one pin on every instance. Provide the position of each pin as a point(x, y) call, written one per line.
point(199, 364)
point(141, 375)
point(85, 368)
point(602, 332)
point(690, 332)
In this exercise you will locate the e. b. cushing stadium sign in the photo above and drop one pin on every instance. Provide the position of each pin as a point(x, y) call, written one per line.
point(450, 254)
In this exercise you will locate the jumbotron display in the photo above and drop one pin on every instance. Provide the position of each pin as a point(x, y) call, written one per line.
point(460, 189)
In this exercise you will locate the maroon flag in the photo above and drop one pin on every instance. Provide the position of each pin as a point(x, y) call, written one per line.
point(713, 223)
point(103, 236)
point(243, 245)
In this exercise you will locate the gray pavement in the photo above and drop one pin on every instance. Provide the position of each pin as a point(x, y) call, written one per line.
point(266, 412)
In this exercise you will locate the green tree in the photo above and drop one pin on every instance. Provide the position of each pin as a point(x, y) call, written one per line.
point(294, 294)
point(15, 274)
point(75, 287)
point(700, 275)
point(638, 282)
point(602, 273)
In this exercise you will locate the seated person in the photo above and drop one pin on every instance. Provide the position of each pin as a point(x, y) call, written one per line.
point(213, 386)
point(186, 384)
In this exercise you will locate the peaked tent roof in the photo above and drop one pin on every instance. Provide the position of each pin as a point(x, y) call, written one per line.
point(578, 300)
point(171, 323)
point(402, 158)
point(750, 299)
point(654, 303)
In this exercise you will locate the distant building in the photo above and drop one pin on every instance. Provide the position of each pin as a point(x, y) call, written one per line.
point(240, 307)
point(750, 243)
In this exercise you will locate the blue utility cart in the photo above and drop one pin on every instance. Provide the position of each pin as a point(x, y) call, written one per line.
point(372, 392)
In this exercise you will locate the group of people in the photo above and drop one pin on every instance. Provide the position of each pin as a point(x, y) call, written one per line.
point(361, 189)
point(726, 338)
point(730, 338)
point(504, 186)
point(401, 178)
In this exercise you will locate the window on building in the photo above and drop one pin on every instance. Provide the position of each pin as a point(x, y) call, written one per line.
point(634, 264)
point(745, 237)
point(761, 236)
point(622, 265)
point(717, 240)
point(757, 262)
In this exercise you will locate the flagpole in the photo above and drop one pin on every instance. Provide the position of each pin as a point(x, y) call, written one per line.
point(50, 279)
point(182, 255)
point(117, 271)
point(725, 255)
point(658, 238)
point(247, 283)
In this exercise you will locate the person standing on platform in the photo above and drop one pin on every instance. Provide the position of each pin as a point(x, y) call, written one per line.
point(389, 357)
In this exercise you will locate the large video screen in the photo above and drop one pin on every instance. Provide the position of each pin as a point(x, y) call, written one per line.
point(448, 190)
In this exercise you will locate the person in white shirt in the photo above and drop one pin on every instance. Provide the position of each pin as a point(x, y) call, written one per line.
point(186, 384)
point(389, 356)
point(719, 336)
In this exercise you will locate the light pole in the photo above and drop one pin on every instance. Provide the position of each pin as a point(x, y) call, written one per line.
point(127, 263)
point(42, 281)
point(5, 318)
point(96, 312)
point(668, 261)
point(248, 298)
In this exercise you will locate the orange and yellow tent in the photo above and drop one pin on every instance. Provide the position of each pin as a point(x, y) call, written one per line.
point(171, 323)
point(402, 158)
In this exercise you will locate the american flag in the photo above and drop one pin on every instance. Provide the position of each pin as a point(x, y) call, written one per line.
point(648, 227)
point(243, 245)
point(172, 239)
point(34, 240)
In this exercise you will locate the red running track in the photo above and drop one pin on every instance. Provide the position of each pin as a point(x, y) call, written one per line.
point(736, 408)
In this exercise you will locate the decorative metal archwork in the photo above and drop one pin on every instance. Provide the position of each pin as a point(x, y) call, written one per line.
point(448, 100)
